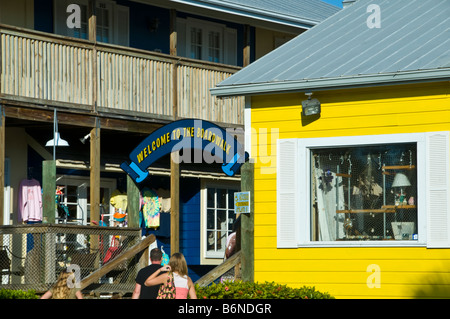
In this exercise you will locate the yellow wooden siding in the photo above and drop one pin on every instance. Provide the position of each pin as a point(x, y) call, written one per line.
point(404, 272)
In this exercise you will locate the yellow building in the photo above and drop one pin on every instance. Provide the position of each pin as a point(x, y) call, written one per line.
point(348, 126)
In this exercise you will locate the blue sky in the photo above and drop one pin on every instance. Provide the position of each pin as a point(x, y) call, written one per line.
point(337, 3)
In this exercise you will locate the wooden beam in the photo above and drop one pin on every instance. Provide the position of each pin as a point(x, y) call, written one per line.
point(247, 224)
point(92, 25)
point(71, 117)
point(132, 203)
point(48, 191)
point(127, 254)
point(174, 203)
point(247, 46)
point(95, 172)
point(173, 32)
point(174, 158)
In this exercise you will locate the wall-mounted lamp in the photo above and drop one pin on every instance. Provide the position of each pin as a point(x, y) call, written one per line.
point(84, 138)
point(310, 106)
point(57, 140)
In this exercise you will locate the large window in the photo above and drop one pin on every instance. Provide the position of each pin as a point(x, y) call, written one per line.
point(364, 193)
point(219, 218)
point(112, 21)
point(203, 40)
point(379, 190)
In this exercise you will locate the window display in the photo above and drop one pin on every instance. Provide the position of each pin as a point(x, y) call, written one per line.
point(364, 193)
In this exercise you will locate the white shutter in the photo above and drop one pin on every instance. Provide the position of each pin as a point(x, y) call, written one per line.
point(438, 211)
point(287, 193)
point(122, 26)
point(230, 46)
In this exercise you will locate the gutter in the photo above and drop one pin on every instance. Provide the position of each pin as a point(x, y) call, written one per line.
point(322, 84)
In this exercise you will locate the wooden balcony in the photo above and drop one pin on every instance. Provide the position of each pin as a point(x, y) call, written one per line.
point(39, 68)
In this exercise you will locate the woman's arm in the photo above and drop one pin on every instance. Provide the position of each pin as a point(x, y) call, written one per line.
point(192, 293)
point(79, 294)
point(156, 278)
point(47, 295)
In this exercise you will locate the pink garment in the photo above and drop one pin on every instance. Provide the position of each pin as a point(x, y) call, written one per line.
point(29, 201)
point(181, 286)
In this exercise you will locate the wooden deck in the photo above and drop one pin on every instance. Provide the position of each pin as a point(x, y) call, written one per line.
point(40, 68)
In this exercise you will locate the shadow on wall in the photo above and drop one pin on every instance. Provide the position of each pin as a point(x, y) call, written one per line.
point(433, 286)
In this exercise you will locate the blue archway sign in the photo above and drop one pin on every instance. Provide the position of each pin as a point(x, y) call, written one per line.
point(216, 143)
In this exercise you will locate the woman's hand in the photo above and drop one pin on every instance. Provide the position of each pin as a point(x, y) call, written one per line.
point(165, 268)
point(157, 278)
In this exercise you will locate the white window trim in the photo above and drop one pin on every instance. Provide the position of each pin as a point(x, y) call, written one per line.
point(111, 7)
point(206, 27)
point(228, 39)
point(300, 214)
point(206, 259)
point(116, 13)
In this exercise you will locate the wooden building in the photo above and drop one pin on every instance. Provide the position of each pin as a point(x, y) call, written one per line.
point(113, 72)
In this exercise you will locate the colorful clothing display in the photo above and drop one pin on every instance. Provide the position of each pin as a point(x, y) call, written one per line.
point(151, 208)
point(119, 200)
point(29, 204)
point(164, 199)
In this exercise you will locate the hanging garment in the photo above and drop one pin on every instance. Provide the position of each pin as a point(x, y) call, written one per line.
point(151, 208)
point(330, 197)
point(29, 203)
point(119, 200)
point(164, 199)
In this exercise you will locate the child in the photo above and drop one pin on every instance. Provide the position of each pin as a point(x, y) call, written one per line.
point(61, 289)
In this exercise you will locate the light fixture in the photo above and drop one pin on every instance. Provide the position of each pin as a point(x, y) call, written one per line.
point(84, 138)
point(57, 140)
point(310, 106)
point(401, 181)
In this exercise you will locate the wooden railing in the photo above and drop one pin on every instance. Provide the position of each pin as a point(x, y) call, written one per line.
point(233, 262)
point(33, 255)
point(38, 67)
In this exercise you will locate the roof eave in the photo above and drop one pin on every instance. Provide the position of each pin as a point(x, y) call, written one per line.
point(254, 14)
point(322, 84)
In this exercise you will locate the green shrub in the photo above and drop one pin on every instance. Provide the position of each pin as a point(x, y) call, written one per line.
point(17, 294)
point(248, 290)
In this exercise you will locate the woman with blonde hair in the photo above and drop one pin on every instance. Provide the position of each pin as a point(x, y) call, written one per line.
point(183, 283)
point(62, 289)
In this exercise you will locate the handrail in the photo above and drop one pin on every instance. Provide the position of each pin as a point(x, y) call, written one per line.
point(129, 253)
point(219, 270)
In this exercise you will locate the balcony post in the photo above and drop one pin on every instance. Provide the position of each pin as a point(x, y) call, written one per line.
point(93, 37)
point(247, 46)
point(95, 172)
point(174, 158)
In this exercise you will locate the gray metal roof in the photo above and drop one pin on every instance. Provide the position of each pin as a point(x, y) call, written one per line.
point(412, 44)
point(303, 13)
